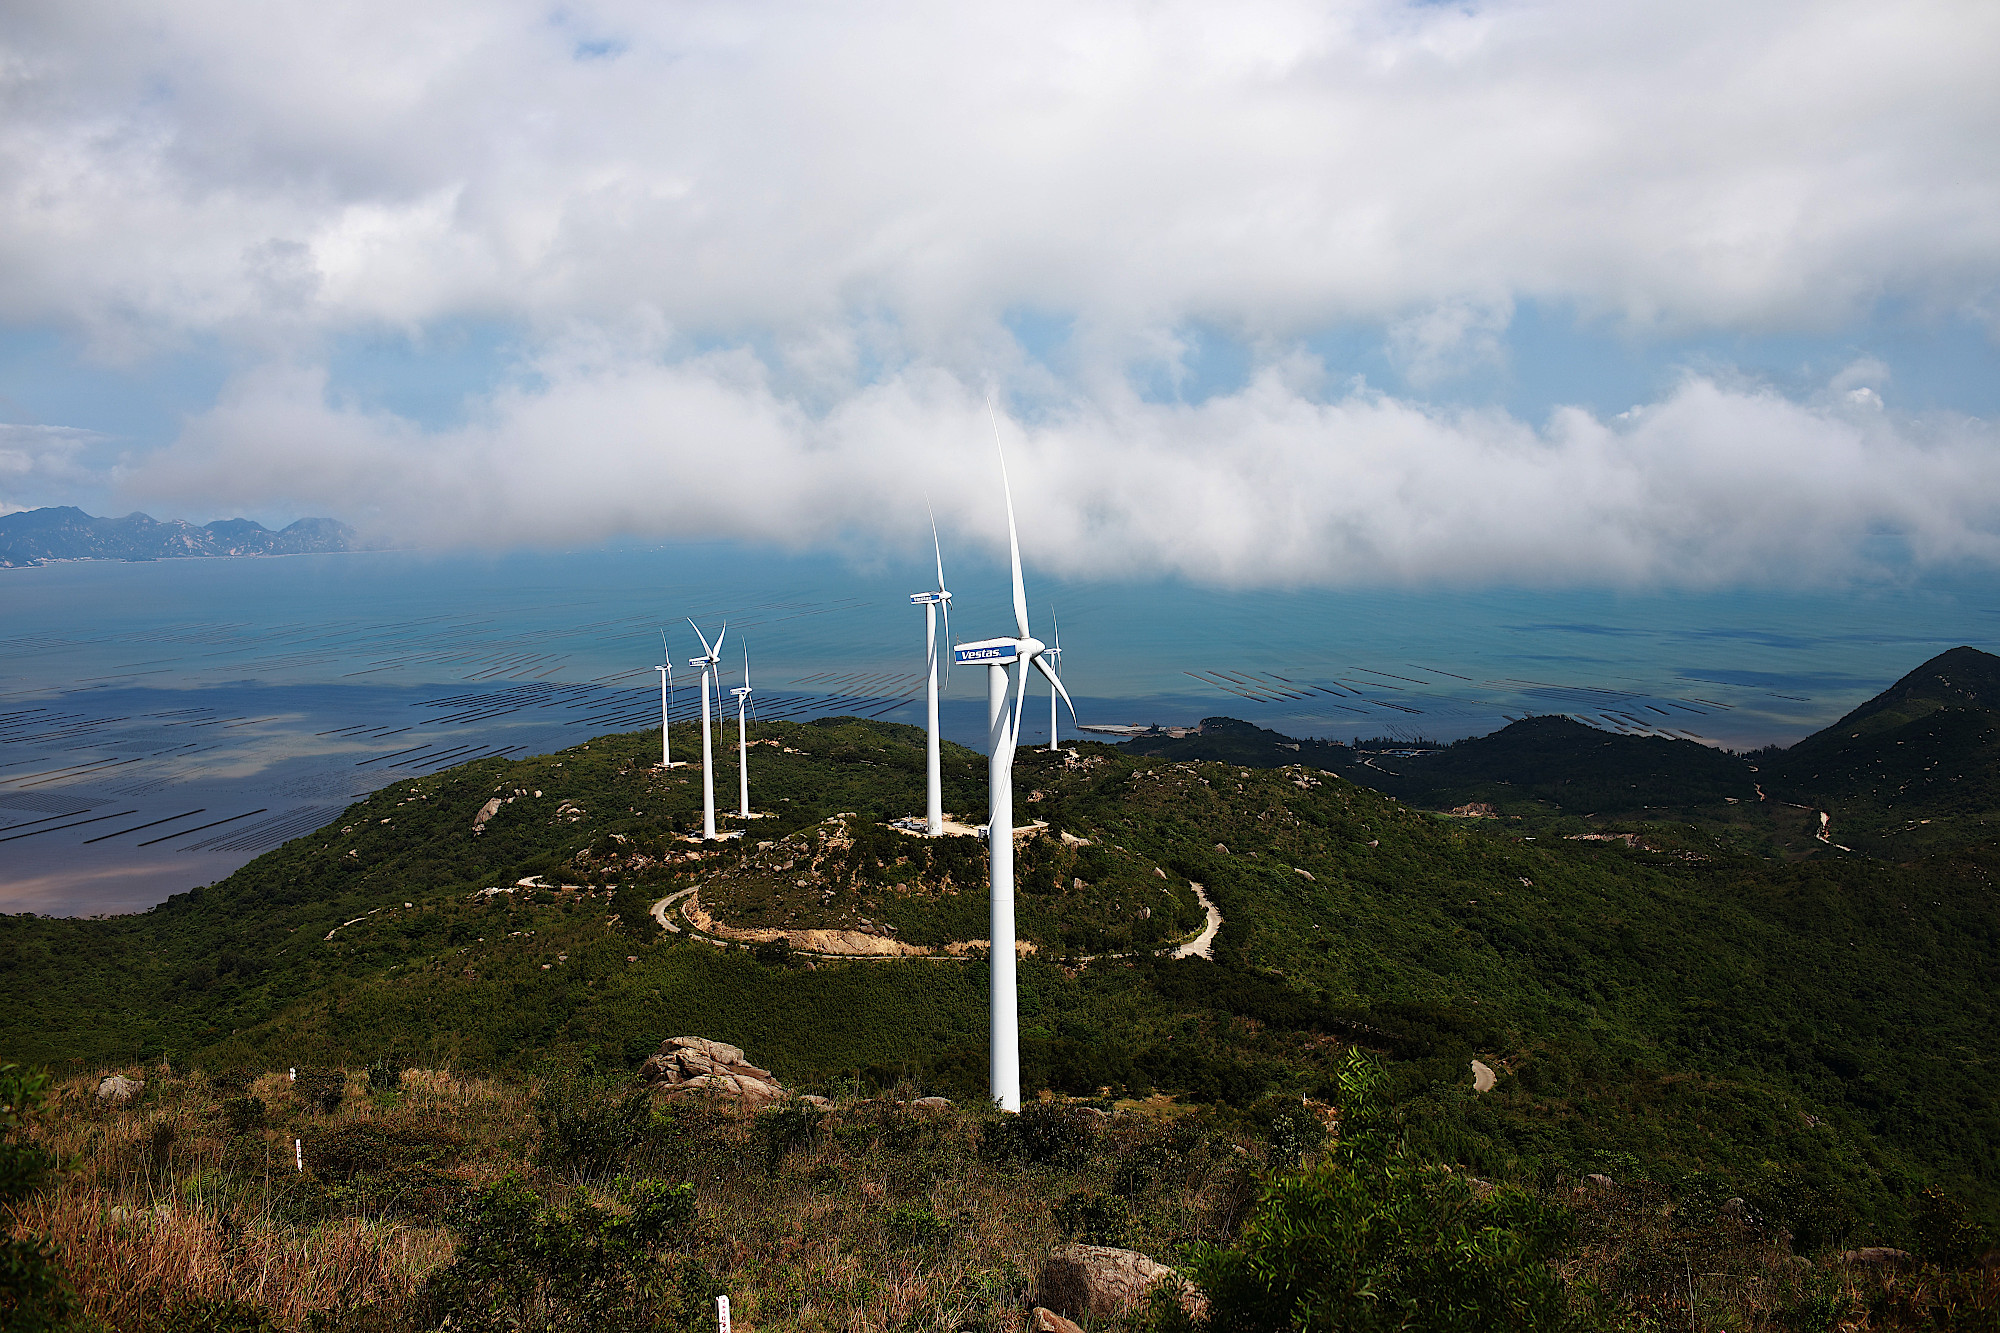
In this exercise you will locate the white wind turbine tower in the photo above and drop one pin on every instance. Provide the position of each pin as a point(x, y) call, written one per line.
point(931, 601)
point(707, 663)
point(1003, 729)
point(1054, 655)
point(742, 693)
point(666, 670)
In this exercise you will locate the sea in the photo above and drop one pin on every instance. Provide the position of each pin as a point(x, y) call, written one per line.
point(163, 722)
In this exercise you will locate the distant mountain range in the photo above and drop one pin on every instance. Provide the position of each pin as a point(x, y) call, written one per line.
point(67, 533)
point(1916, 769)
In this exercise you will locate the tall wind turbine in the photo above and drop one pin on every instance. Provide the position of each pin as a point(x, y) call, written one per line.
point(1054, 655)
point(931, 601)
point(707, 663)
point(666, 670)
point(1003, 730)
point(742, 693)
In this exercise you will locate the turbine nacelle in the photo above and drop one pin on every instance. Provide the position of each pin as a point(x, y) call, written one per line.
point(988, 652)
point(928, 598)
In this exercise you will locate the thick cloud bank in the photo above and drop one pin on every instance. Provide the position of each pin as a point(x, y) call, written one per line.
point(1280, 483)
point(871, 196)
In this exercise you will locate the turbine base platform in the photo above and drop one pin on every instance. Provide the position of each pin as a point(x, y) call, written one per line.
point(916, 827)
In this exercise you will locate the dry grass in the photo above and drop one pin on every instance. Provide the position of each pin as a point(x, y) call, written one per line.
point(130, 1266)
point(885, 1219)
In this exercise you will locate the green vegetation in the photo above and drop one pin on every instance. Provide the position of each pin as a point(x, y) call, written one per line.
point(851, 874)
point(1548, 764)
point(1807, 1035)
point(1371, 1237)
point(34, 1295)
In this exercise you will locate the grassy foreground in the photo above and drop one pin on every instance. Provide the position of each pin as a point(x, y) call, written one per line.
point(431, 1199)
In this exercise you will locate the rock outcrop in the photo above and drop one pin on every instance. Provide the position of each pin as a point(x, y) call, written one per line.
point(1048, 1321)
point(1876, 1256)
point(695, 1065)
point(1098, 1282)
point(117, 1089)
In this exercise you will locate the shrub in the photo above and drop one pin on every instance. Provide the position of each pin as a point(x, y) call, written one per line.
point(243, 1115)
point(1042, 1134)
point(367, 1147)
point(587, 1125)
point(1371, 1238)
point(916, 1228)
point(1094, 1219)
point(320, 1088)
point(219, 1314)
point(521, 1263)
point(34, 1294)
point(1292, 1130)
point(386, 1074)
point(231, 1082)
point(783, 1128)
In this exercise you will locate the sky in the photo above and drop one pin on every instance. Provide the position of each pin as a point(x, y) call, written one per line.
point(1653, 295)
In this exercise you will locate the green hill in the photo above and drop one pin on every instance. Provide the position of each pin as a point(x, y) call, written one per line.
point(1230, 740)
point(1544, 764)
point(1915, 769)
point(1698, 1016)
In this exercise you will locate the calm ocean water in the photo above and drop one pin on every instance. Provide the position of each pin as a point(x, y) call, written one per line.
point(225, 705)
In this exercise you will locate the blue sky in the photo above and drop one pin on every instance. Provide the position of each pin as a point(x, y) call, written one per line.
point(1277, 294)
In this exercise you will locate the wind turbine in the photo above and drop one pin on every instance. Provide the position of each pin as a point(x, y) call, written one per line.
point(666, 670)
point(1003, 730)
point(1054, 654)
point(707, 663)
point(931, 601)
point(742, 693)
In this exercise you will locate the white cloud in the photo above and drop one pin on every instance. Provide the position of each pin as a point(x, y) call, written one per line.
point(38, 462)
point(868, 193)
point(1268, 167)
point(1713, 484)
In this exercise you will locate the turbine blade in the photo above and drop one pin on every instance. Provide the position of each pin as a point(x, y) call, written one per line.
point(1056, 681)
point(1058, 627)
point(705, 650)
point(1013, 537)
point(948, 653)
point(1020, 698)
point(935, 547)
point(717, 654)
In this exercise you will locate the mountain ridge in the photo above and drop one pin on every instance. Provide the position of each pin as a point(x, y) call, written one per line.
point(32, 537)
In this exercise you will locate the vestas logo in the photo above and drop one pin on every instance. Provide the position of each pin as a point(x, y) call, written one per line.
point(985, 652)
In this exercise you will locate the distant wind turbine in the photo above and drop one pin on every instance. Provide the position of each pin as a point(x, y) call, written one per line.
point(707, 664)
point(931, 601)
point(666, 670)
point(1003, 731)
point(1054, 655)
point(742, 693)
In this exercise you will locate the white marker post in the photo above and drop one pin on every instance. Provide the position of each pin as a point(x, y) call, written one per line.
point(298, 1157)
point(722, 1314)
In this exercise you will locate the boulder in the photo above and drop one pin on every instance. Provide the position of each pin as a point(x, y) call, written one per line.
point(1099, 1282)
point(1598, 1181)
point(1875, 1256)
point(933, 1103)
point(1048, 1321)
point(697, 1065)
point(817, 1102)
point(117, 1089)
point(1735, 1210)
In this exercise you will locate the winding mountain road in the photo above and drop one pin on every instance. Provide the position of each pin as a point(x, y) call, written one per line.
point(1202, 945)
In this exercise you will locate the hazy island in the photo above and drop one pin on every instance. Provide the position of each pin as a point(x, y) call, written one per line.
point(36, 536)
